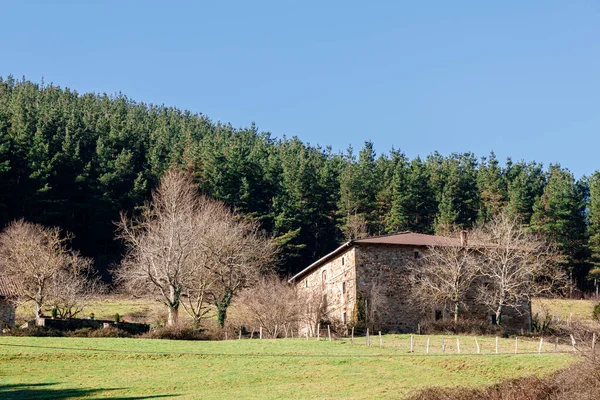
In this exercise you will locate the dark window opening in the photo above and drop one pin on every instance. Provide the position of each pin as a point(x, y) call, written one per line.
point(344, 318)
point(438, 315)
point(342, 260)
point(494, 322)
point(417, 255)
point(343, 287)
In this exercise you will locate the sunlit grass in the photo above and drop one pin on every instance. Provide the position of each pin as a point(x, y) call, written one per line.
point(283, 368)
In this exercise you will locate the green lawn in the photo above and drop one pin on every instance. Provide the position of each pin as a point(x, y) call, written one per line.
point(285, 368)
point(565, 309)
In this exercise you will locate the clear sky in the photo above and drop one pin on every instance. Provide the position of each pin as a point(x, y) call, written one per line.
point(519, 78)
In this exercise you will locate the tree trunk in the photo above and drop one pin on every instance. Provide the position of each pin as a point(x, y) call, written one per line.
point(173, 315)
point(456, 312)
point(222, 306)
point(499, 315)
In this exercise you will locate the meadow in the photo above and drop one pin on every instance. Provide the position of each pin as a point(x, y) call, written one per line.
point(65, 368)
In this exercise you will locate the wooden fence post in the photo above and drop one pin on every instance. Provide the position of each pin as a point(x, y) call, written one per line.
point(352, 339)
point(260, 333)
point(556, 345)
point(252, 333)
point(411, 343)
point(516, 344)
point(285, 329)
point(240, 337)
point(367, 337)
point(540, 346)
point(427, 346)
point(458, 345)
point(477, 345)
point(573, 343)
point(275, 332)
point(329, 332)
point(593, 342)
point(319, 331)
point(443, 346)
point(380, 340)
point(307, 333)
point(225, 335)
point(496, 344)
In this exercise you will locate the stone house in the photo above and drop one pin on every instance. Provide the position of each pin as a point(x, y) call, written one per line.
point(378, 264)
point(8, 291)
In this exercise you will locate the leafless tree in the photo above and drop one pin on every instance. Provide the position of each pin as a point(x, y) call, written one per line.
point(190, 251)
point(356, 227)
point(272, 304)
point(313, 307)
point(518, 265)
point(443, 277)
point(34, 255)
point(238, 253)
point(70, 290)
point(374, 298)
point(163, 243)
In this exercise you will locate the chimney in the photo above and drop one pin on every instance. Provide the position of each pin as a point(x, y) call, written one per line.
point(463, 237)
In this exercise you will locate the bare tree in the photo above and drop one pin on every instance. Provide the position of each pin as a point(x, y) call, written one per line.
point(189, 250)
point(34, 255)
point(313, 307)
point(237, 254)
point(518, 265)
point(163, 243)
point(272, 304)
point(443, 276)
point(70, 290)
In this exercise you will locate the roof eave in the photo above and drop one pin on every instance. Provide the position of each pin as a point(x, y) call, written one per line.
point(321, 260)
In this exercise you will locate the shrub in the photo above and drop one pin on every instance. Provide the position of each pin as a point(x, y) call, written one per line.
point(109, 332)
point(463, 326)
point(38, 331)
point(596, 312)
point(83, 332)
point(117, 318)
point(579, 381)
point(177, 332)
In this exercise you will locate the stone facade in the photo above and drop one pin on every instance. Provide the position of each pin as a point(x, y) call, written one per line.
point(7, 314)
point(357, 272)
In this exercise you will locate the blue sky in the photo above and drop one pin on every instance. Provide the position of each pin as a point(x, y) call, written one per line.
point(520, 79)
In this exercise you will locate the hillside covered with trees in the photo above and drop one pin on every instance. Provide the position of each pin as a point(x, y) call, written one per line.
point(76, 161)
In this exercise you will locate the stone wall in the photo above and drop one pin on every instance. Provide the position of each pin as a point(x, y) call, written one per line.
point(7, 314)
point(336, 281)
point(382, 268)
point(376, 274)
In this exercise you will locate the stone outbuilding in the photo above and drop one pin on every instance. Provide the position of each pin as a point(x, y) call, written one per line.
point(8, 291)
point(342, 276)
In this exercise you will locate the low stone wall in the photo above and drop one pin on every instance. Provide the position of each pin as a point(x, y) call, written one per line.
point(71, 324)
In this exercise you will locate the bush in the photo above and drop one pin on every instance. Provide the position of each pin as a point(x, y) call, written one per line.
point(109, 332)
point(596, 312)
point(579, 381)
point(38, 331)
point(177, 332)
point(463, 326)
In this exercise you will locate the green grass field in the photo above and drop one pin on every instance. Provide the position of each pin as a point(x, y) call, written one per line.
point(285, 368)
point(576, 310)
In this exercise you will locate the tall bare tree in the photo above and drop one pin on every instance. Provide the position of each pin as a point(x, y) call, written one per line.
point(191, 249)
point(163, 243)
point(237, 254)
point(34, 255)
point(519, 265)
point(443, 277)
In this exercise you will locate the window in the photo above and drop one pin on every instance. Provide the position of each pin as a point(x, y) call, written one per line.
point(344, 318)
point(343, 287)
point(438, 315)
point(306, 283)
point(417, 254)
point(323, 279)
point(342, 260)
point(494, 322)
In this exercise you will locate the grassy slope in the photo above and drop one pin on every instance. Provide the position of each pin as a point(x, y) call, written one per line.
point(247, 368)
point(580, 310)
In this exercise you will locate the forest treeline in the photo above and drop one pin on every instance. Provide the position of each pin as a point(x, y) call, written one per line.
point(77, 160)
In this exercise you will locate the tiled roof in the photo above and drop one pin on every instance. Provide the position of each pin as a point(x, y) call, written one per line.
point(9, 287)
point(405, 239)
point(412, 239)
